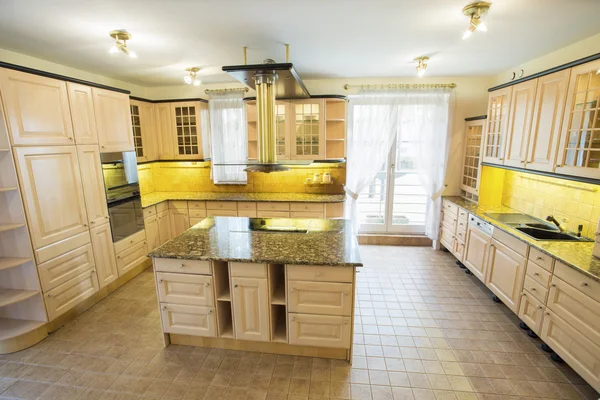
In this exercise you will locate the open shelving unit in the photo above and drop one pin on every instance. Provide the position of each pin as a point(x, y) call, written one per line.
point(335, 128)
point(277, 297)
point(22, 309)
point(223, 296)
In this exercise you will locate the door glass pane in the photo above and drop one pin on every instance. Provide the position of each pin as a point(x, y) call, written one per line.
point(372, 201)
point(137, 131)
point(185, 120)
point(307, 129)
point(409, 200)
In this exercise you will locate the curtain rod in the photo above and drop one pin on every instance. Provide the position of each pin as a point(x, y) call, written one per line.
point(403, 86)
point(209, 91)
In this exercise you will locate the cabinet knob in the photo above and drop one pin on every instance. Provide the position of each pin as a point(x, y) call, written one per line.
point(533, 289)
point(293, 319)
point(182, 265)
point(540, 307)
point(522, 162)
point(70, 138)
point(536, 274)
point(539, 258)
point(524, 295)
point(235, 286)
point(207, 284)
point(501, 159)
point(548, 314)
point(164, 307)
point(558, 165)
point(553, 284)
point(161, 280)
point(210, 311)
point(584, 284)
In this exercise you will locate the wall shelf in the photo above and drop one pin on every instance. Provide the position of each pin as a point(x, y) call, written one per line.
point(7, 189)
point(12, 296)
point(225, 295)
point(11, 262)
point(12, 328)
point(9, 227)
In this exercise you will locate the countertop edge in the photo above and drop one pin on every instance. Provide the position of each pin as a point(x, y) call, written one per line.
point(146, 204)
point(257, 261)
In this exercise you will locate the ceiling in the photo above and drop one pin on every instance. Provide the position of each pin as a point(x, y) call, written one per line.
point(328, 38)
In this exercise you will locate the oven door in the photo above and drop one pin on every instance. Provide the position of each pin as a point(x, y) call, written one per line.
point(126, 217)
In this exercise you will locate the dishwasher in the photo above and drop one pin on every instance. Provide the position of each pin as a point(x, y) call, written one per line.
point(477, 247)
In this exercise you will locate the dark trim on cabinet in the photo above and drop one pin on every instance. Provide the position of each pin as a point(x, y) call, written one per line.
point(476, 118)
point(45, 74)
point(316, 96)
point(571, 64)
point(544, 173)
point(167, 100)
point(140, 99)
point(155, 161)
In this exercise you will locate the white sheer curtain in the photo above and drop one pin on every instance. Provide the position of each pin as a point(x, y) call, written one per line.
point(425, 121)
point(373, 116)
point(228, 136)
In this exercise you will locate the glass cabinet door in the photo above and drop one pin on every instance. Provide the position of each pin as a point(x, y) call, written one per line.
point(282, 130)
point(498, 106)
point(471, 170)
point(137, 132)
point(579, 153)
point(186, 120)
point(308, 132)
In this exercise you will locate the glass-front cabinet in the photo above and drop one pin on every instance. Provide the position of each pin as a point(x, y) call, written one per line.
point(579, 152)
point(185, 117)
point(471, 168)
point(308, 132)
point(497, 122)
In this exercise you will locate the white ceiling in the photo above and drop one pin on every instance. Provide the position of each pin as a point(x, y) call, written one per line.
point(328, 38)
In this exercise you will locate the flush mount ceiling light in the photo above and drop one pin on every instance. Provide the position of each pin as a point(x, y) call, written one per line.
point(121, 37)
point(191, 78)
point(422, 66)
point(475, 11)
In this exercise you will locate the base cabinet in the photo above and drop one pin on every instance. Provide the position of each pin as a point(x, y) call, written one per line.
point(104, 254)
point(132, 257)
point(152, 232)
point(66, 296)
point(188, 320)
point(531, 312)
point(506, 271)
point(476, 252)
point(65, 267)
point(320, 330)
point(250, 309)
point(320, 297)
point(165, 233)
point(185, 289)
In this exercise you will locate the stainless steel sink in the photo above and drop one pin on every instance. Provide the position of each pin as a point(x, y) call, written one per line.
point(535, 228)
point(543, 234)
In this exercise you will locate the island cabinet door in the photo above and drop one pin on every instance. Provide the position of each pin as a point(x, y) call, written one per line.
point(251, 309)
point(320, 330)
point(188, 320)
point(185, 289)
point(320, 298)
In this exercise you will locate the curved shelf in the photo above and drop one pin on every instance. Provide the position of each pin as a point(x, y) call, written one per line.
point(12, 296)
point(8, 189)
point(11, 262)
point(11, 328)
point(9, 227)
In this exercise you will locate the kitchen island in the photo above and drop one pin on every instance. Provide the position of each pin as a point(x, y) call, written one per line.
point(275, 285)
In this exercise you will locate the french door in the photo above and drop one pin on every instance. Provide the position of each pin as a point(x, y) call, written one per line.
point(395, 201)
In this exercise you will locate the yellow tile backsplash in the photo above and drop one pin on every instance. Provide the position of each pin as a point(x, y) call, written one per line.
point(576, 202)
point(184, 176)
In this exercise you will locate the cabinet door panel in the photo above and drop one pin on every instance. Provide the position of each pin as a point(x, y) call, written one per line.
point(251, 309)
point(82, 113)
point(150, 140)
point(519, 123)
point(476, 252)
point(165, 232)
point(446, 238)
point(188, 320)
point(104, 254)
point(320, 298)
point(52, 193)
point(93, 184)
point(180, 221)
point(531, 311)
point(152, 232)
point(547, 118)
point(113, 120)
point(319, 330)
point(37, 109)
point(505, 274)
point(185, 119)
point(164, 131)
point(131, 258)
point(185, 289)
point(65, 267)
point(66, 296)
point(497, 122)
point(307, 119)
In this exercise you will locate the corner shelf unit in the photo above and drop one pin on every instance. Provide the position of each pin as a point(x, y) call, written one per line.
point(335, 128)
point(22, 310)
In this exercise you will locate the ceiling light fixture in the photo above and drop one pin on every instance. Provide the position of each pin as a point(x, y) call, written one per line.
point(191, 78)
point(121, 37)
point(475, 11)
point(422, 65)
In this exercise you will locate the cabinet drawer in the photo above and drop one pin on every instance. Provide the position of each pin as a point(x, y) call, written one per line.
point(197, 213)
point(66, 296)
point(246, 205)
point(248, 270)
point(449, 220)
point(65, 267)
point(183, 266)
point(531, 311)
point(188, 320)
point(511, 242)
point(221, 213)
point(450, 207)
point(64, 246)
point(181, 205)
point(320, 298)
point(538, 291)
point(247, 213)
point(273, 206)
point(149, 211)
point(581, 353)
point(538, 274)
point(319, 330)
point(306, 214)
point(196, 205)
point(541, 259)
point(459, 250)
point(160, 207)
point(272, 214)
point(462, 224)
point(185, 289)
point(579, 310)
point(578, 280)
point(319, 273)
point(132, 257)
point(130, 241)
point(447, 238)
point(221, 205)
point(463, 214)
point(461, 235)
point(314, 207)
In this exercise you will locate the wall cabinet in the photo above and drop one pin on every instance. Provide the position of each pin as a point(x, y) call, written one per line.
point(162, 120)
point(497, 123)
point(145, 138)
point(94, 193)
point(37, 109)
point(52, 192)
point(113, 120)
point(104, 255)
point(520, 113)
point(82, 113)
point(250, 308)
point(505, 274)
point(472, 156)
point(187, 130)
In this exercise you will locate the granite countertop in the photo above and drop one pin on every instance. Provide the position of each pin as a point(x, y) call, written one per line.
point(576, 255)
point(158, 197)
point(328, 242)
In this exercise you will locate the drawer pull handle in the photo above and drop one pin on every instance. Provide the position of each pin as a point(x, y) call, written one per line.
point(536, 274)
point(553, 284)
point(207, 284)
point(584, 284)
point(539, 258)
point(164, 307)
point(235, 286)
point(293, 319)
point(548, 314)
point(182, 265)
point(161, 281)
point(210, 311)
point(524, 294)
point(533, 289)
point(540, 307)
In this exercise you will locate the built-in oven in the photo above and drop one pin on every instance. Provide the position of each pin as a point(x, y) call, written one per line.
point(122, 193)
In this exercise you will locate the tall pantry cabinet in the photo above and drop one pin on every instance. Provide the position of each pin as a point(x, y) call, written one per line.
point(57, 130)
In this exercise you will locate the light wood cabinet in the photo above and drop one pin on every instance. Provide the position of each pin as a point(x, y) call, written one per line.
point(547, 118)
point(320, 298)
point(180, 221)
point(94, 193)
point(67, 295)
point(307, 129)
point(113, 120)
point(82, 113)
point(164, 131)
point(132, 257)
point(165, 232)
point(476, 252)
point(472, 156)
point(505, 274)
point(579, 151)
point(497, 123)
point(250, 300)
point(185, 289)
point(520, 114)
point(144, 132)
point(37, 109)
point(52, 192)
point(320, 330)
point(65, 267)
point(183, 266)
point(282, 129)
point(186, 130)
point(104, 255)
point(531, 312)
point(152, 233)
point(447, 238)
point(188, 320)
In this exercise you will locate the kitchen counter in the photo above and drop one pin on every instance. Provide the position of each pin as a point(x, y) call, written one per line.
point(158, 197)
point(576, 255)
point(328, 242)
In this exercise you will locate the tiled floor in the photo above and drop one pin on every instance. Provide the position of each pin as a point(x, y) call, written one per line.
point(425, 330)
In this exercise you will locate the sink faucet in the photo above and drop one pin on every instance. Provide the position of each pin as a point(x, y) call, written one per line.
point(552, 219)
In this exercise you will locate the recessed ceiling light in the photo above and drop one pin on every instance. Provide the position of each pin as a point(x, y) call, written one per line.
point(422, 66)
point(121, 37)
point(191, 78)
point(475, 11)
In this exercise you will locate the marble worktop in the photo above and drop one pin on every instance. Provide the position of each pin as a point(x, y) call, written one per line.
point(151, 199)
point(576, 255)
point(328, 242)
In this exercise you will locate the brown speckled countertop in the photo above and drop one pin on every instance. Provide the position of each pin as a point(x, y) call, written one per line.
point(229, 239)
point(576, 255)
point(158, 197)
